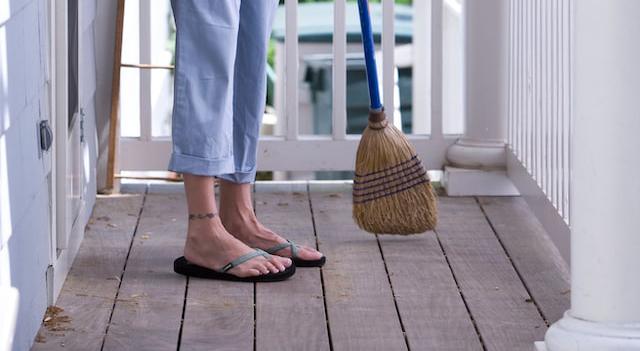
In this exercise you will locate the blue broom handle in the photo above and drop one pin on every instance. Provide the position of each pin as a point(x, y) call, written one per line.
point(369, 55)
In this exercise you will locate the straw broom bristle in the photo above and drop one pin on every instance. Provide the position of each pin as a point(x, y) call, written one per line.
point(392, 193)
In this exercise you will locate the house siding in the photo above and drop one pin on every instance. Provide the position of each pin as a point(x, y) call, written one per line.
point(25, 172)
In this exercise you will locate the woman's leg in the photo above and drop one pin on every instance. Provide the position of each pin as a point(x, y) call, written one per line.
point(237, 214)
point(202, 129)
point(238, 217)
point(208, 243)
point(250, 85)
point(202, 120)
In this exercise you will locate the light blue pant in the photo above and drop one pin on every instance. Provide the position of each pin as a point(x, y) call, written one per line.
point(220, 86)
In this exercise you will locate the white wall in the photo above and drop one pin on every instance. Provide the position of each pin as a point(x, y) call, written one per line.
point(24, 192)
point(25, 173)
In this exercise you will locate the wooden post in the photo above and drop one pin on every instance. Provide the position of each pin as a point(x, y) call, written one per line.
point(115, 97)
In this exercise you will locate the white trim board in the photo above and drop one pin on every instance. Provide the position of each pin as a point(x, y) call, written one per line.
point(307, 153)
point(547, 214)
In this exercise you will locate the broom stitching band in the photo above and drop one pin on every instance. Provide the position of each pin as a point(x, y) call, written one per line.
point(419, 175)
point(388, 185)
point(408, 174)
point(359, 202)
point(380, 194)
point(387, 169)
point(385, 189)
point(416, 163)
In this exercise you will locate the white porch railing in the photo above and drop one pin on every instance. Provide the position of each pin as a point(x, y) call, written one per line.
point(293, 151)
point(540, 91)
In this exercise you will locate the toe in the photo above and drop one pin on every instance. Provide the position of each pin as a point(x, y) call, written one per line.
point(272, 268)
point(262, 267)
point(285, 262)
point(280, 263)
point(309, 253)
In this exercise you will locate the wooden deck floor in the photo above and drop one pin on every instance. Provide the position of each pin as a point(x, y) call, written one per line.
point(487, 279)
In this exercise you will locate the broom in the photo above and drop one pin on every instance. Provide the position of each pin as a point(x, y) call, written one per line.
point(392, 193)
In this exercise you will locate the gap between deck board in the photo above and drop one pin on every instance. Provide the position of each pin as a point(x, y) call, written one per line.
point(428, 300)
point(148, 311)
point(90, 289)
point(359, 300)
point(296, 305)
point(497, 299)
point(535, 257)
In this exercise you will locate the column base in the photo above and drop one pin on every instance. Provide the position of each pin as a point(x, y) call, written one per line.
point(477, 182)
point(477, 154)
point(573, 334)
point(477, 168)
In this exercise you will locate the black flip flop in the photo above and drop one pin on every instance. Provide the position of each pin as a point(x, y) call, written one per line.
point(184, 267)
point(294, 255)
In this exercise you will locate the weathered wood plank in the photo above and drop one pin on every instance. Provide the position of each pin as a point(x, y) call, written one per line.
point(90, 288)
point(360, 306)
point(290, 315)
point(218, 315)
point(148, 310)
point(430, 305)
point(498, 301)
point(532, 252)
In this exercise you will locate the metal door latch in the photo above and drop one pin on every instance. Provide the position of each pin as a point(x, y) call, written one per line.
point(82, 125)
point(46, 136)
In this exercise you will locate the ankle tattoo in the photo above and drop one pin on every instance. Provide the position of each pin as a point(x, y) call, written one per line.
point(202, 215)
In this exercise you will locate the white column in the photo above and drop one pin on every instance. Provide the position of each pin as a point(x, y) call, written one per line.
point(478, 159)
point(605, 233)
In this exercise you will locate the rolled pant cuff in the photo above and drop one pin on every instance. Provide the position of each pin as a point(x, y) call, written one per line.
point(181, 163)
point(240, 177)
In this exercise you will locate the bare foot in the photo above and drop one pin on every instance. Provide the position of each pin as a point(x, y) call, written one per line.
point(210, 245)
point(243, 224)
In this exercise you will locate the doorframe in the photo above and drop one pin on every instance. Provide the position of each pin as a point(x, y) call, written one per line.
point(58, 99)
point(65, 237)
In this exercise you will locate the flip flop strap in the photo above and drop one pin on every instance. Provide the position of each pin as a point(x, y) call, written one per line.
point(242, 259)
point(289, 244)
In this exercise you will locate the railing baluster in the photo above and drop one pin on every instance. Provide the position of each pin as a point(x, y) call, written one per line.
point(555, 113)
point(421, 68)
point(339, 113)
point(388, 59)
point(567, 69)
point(510, 108)
point(528, 145)
point(547, 118)
point(291, 68)
point(562, 105)
point(517, 133)
point(145, 75)
point(536, 91)
point(540, 96)
point(436, 69)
